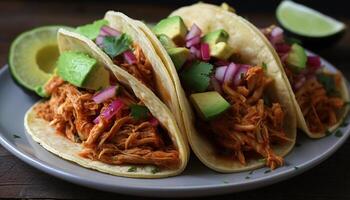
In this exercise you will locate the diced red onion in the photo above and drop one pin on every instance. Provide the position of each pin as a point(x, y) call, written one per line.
point(205, 51)
point(112, 110)
point(129, 57)
point(220, 73)
point(299, 83)
point(194, 31)
point(242, 70)
point(314, 62)
point(153, 121)
point(276, 35)
point(216, 85)
point(230, 73)
point(99, 40)
point(196, 52)
point(193, 41)
point(282, 48)
point(105, 94)
point(108, 31)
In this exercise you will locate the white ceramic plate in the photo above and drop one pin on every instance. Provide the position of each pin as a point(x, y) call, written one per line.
point(197, 180)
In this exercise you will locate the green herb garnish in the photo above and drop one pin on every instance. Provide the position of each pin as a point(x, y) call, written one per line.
point(264, 66)
point(267, 171)
point(197, 76)
point(329, 84)
point(16, 136)
point(328, 133)
point(132, 169)
point(155, 170)
point(139, 112)
point(114, 46)
point(338, 133)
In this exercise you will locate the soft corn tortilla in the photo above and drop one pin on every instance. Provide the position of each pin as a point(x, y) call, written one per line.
point(43, 133)
point(252, 49)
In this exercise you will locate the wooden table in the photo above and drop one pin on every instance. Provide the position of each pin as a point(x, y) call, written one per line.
point(329, 180)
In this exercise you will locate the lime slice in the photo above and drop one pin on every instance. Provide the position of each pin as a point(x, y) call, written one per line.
point(305, 21)
point(33, 55)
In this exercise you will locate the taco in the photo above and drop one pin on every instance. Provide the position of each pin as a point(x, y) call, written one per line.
point(104, 118)
point(244, 116)
point(320, 96)
point(123, 44)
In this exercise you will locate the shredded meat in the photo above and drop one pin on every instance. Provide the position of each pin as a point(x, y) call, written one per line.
point(120, 140)
point(319, 109)
point(250, 125)
point(142, 69)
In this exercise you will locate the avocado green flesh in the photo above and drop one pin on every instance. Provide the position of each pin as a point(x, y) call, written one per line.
point(305, 21)
point(166, 41)
point(91, 31)
point(215, 37)
point(217, 41)
point(82, 71)
point(173, 27)
point(179, 56)
point(32, 57)
point(297, 58)
point(209, 104)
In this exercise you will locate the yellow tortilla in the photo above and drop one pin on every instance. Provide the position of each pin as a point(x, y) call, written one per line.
point(43, 133)
point(252, 49)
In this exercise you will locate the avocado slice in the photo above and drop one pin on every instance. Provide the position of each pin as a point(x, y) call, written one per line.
point(297, 58)
point(166, 41)
point(173, 27)
point(215, 37)
point(82, 71)
point(197, 77)
point(217, 41)
point(91, 31)
point(179, 56)
point(209, 104)
point(221, 51)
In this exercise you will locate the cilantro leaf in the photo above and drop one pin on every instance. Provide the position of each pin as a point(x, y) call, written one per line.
point(155, 170)
point(328, 83)
point(139, 112)
point(264, 66)
point(114, 46)
point(91, 31)
point(132, 169)
point(197, 77)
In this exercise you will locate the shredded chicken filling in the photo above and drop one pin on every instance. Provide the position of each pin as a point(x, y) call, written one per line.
point(120, 140)
point(142, 69)
point(250, 125)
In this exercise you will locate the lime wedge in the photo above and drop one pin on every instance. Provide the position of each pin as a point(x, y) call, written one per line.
point(33, 55)
point(305, 21)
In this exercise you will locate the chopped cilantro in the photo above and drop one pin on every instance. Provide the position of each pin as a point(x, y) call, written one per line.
point(155, 170)
point(338, 133)
point(329, 84)
point(114, 46)
point(267, 171)
point(16, 136)
point(264, 66)
point(91, 31)
point(139, 112)
point(196, 77)
point(328, 133)
point(247, 177)
point(132, 169)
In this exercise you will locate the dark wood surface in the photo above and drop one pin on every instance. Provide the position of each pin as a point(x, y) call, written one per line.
point(329, 180)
